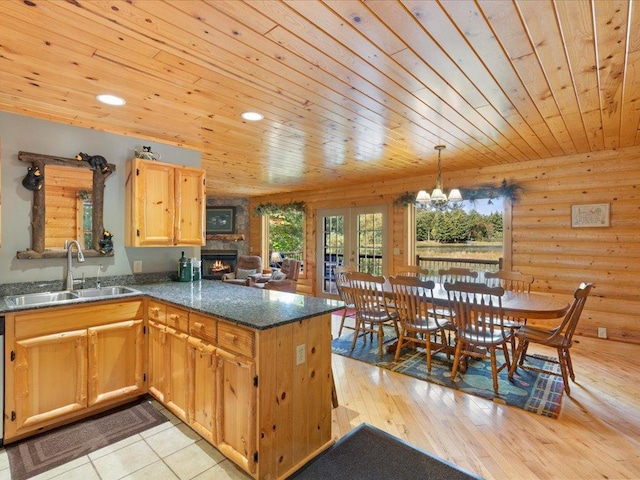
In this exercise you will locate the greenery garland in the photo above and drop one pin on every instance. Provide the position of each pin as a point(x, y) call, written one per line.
point(505, 190)
point(509, 191)
point(269, 208)
point(407, 198)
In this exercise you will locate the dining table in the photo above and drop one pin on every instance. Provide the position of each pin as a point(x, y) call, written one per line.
point(533, 305)
point(529, 305)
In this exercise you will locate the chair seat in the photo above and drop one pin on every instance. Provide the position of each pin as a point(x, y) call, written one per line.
point(426, 324)
point(482, 338)
point(542, 336)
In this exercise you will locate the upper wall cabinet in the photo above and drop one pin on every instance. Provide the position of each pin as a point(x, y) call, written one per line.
point(165, 204)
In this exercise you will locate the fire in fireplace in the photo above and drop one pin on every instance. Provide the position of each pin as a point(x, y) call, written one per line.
point(216, 263)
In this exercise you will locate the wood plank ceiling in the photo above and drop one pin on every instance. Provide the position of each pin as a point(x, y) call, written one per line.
point(351, 90)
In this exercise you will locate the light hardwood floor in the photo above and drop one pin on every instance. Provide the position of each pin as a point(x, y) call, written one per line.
point(596, 436)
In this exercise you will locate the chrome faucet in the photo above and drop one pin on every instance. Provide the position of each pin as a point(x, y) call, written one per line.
point(68, 244)
point(98, 277)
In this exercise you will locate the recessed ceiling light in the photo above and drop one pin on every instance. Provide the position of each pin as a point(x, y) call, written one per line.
point(252, 116)
point(111, 100)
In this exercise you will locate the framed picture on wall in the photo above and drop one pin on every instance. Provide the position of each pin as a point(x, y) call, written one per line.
point(590, 215)
point(220, 220)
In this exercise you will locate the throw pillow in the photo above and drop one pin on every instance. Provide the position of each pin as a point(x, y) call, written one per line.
point(278, 275)
point(243, 274)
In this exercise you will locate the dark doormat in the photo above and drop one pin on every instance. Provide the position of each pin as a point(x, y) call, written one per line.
point(50, 449)
point(367, 453)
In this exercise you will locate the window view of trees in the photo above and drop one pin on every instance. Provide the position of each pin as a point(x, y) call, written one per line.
point(465, 230)
point(286, 233)
point(456, 225)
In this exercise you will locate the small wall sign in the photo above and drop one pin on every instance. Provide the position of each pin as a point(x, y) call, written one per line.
point(590, 215)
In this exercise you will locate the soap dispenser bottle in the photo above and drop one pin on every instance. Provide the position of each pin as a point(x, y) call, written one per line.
point(185, 269)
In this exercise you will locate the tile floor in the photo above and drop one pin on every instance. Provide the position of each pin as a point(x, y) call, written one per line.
point(166, 452)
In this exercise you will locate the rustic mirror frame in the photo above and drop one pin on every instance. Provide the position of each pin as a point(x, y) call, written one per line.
point(38, 210)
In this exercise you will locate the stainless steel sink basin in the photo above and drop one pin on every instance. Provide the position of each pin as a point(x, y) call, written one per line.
point(104, 291)
point(65, 296)
point(40, 298)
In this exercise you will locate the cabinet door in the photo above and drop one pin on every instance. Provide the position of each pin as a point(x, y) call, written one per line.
point(203, 365)
point(50, 379)
point(189, 225)
point(176, 381)
point(116, 361)
point(158, 361)
point(153, 202)
point(237, 409)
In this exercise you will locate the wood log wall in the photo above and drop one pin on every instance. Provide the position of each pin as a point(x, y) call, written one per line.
point(544, 243)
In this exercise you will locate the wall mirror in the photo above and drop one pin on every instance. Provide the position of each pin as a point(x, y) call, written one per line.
point(68, 205)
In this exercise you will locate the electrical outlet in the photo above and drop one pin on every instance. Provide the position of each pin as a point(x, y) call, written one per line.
point(602, 332)
point(300, 354)
point(137, 266)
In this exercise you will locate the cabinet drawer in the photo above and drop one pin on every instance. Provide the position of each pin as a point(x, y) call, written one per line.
point(157, 311)
point(236, 339)
point(202, 327)
point(178, 319)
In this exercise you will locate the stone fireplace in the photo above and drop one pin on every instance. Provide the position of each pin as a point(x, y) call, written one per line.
point(216, 263)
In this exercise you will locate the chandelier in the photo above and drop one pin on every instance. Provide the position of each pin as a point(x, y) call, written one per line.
point(438, 197)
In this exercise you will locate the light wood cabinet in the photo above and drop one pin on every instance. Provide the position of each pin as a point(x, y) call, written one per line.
point(165, 204)
point(203, 386)
point(66, 362)
point(236, 412)
point(116, 361)
point(248, 392)
point(168, 362)
point(50, 380)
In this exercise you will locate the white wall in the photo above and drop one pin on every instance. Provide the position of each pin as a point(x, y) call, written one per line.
point(20, 133)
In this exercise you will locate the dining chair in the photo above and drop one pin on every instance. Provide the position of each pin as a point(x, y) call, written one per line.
point(559, 337)
point(457, 274)
point(340, 277)
point(372, 313)
point(412, 271)
point(417, 318)
point(452, 275)
point(512, 282)
point(478, 322)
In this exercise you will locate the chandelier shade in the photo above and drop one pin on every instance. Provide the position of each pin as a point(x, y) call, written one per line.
point(438, 197)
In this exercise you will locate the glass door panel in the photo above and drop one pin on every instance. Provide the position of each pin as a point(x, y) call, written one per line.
point(350, 236)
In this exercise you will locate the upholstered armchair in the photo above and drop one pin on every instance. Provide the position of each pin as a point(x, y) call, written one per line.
point(248, 267)
point(284, 280)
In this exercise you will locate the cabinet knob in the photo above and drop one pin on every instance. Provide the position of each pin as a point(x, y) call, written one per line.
point(230, 337)
point(198, 326)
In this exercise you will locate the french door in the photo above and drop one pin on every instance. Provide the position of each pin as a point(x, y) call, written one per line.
point(350, 236)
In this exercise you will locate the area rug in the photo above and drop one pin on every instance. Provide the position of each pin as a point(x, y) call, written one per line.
point(368, 453)
point(534, 392)
point(51, 449)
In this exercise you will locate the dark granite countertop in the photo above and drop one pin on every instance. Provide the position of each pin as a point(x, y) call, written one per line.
point(253, 307)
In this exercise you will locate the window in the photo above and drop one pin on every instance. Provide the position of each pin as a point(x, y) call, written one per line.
point(466, 230)
point(286, 237)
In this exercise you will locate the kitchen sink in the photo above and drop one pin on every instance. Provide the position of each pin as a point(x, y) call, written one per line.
point(41, 298)
point(65, 296)
point(104, 291)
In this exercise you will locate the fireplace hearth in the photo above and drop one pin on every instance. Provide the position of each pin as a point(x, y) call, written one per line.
point(215, 263)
